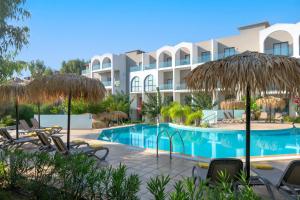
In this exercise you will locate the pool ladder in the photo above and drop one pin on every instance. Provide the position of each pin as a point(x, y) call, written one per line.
point(170, 140)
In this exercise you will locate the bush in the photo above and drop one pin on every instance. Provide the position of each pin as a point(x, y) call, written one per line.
point(194, 117)
point(77, 176)
point(186, 189)
point(8, 121)
point(291, 119)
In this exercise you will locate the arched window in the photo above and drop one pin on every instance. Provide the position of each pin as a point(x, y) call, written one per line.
point(135, 84)
point(149, 84)
point(96, 64)
point(106, 63)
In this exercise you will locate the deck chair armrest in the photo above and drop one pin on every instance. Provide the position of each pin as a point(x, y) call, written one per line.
point(291, 188)
point(198, 174)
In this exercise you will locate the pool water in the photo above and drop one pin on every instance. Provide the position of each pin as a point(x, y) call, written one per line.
point(209, 143)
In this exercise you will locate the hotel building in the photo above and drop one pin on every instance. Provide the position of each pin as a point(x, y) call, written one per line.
point(138, 72)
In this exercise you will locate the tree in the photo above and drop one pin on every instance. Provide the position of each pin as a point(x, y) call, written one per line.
point(9, 68)
point(152, 107)
point(199, 101)
point(13, 36)
point(72, 66)
point(38, 68)
point(117, 102)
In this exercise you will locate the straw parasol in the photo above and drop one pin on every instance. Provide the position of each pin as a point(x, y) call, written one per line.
point(248, 72)
point(271, 102)
point(14, 91)
point(232, 105)
point(69, 86)
point(118, 115)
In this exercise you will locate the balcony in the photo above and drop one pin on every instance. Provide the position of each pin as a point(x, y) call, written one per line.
point(96, 66)
point(106, 83)
point(150, 66)
point(181, 86)
point(166, 86)
point(185, 61)
point(106, 65)
point(85, 71)
point(136, 89)
point(203, 59)
point(165, 64)
point(224, 55)
point(286, 51)
point(134, 68)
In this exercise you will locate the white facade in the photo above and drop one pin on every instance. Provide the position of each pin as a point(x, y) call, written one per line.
point(139, 72)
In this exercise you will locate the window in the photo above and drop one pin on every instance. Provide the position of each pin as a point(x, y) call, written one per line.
point(149, 84)
point(135, 84)
point(205, 56)
point(169, 59)
point(281, 49)
point(229, 51)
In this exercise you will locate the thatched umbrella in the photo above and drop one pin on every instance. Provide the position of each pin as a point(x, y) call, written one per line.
point(232, 105)
point(248, 72)
point(69, 86)
point(118, 115)
point(14, 91)
point(271, 102)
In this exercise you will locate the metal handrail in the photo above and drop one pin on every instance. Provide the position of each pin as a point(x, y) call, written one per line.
point(208, 116)
point(170, 140)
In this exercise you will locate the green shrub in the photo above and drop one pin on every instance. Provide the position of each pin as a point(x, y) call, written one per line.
point(73, 173)
point(120, 186)
point(26, 112)
point(186, 189)
point(15, 164)
point(165, 112)
point(291, 119)
point(43, 176)
point(157, 187)
point(204, 125)
point(287, 119)
point(194, 117)
point(8, 121)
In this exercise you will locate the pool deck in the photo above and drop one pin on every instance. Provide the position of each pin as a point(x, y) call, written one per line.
point(144, 162)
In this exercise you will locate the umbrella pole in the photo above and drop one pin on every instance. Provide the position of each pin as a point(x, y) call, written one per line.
point(248, 115)
point(39, 114)
point(69, 120)
point(17, 118)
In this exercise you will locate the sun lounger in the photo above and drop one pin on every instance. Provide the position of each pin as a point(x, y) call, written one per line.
point(263, 116)
point(25, 126)
point(287, 182)
point(278, 117)
point(9, 141)
point(227, 118)
point(46, 141)
point(52, 130)
point(233, 169)
point(35, 127)
point(90, 150)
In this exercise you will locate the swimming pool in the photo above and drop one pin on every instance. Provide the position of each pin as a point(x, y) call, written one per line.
point(208, 143)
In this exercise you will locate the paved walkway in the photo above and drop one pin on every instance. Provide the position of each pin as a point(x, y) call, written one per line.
point(144, 163)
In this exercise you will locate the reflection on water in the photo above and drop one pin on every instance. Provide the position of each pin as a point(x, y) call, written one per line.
point(207, 143)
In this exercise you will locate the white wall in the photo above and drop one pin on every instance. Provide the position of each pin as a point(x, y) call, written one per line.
point(83, 121)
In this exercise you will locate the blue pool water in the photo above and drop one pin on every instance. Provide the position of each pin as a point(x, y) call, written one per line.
point(209, 143)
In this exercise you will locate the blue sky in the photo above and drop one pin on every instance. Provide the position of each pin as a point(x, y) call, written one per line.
point(67, 29)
